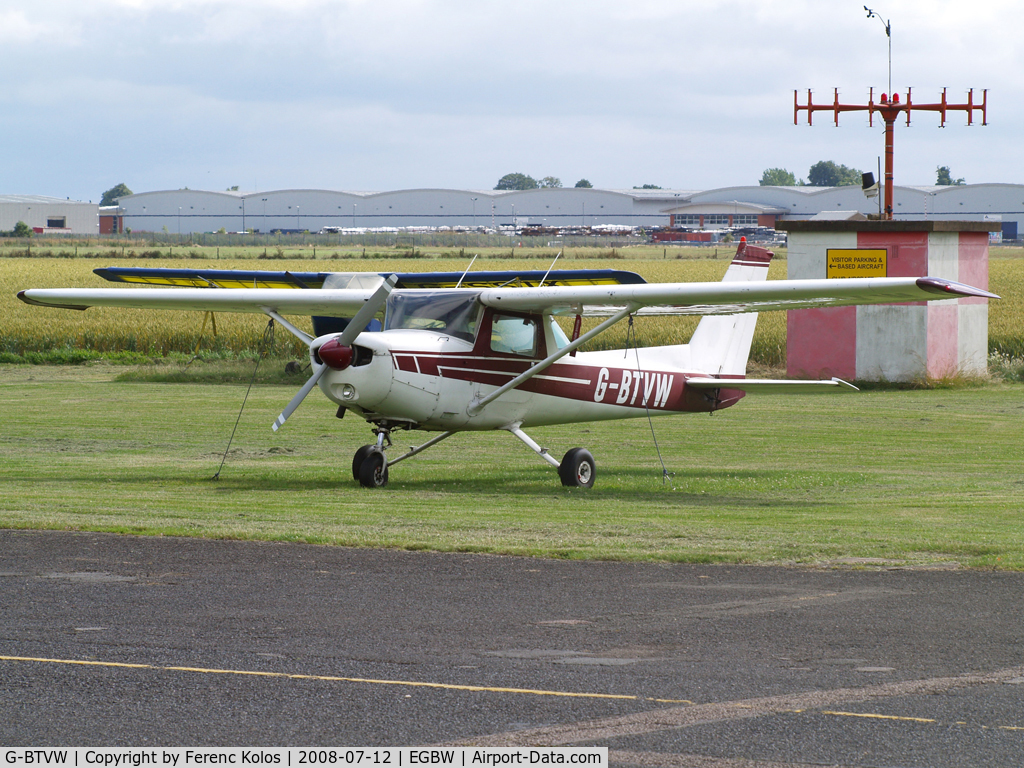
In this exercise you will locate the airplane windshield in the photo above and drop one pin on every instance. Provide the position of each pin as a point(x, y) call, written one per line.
point(454, 314)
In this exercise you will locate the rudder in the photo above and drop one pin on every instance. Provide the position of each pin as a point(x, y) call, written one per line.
point(721, 343)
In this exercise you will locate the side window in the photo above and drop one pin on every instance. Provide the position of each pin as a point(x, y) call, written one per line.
point(561, 340)
point(514, 335)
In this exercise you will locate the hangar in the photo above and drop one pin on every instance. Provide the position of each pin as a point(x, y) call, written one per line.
point(297, 210)
point(186, 211)
point(965, 202)
point(49, 215)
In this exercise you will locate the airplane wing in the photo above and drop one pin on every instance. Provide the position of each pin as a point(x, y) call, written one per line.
point(597, 300)
point(285, 301)
point(727, 298)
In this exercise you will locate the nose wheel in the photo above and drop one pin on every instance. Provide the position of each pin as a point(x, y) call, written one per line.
point(359, 459)
point(370, 464)
point(373, 470)
point(370, 467)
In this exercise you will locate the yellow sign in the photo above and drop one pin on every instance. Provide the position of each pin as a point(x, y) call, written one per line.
point(853, 262)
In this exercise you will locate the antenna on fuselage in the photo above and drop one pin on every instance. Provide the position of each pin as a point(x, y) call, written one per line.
point(459, 284)
point(541, 283)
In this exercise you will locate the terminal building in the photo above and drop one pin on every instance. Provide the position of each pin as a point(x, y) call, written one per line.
point(303, 210)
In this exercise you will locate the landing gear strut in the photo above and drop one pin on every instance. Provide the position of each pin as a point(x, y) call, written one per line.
point(370, 464)
point(577, 469)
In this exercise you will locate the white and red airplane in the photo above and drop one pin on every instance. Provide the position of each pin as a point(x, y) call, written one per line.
point(482, 351)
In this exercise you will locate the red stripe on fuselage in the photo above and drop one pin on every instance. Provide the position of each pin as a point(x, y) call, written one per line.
point(628, 387)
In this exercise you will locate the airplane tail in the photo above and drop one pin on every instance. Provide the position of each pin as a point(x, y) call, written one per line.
point(721, 344)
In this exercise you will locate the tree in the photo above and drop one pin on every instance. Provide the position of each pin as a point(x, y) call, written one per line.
point(943, 178)
point(551, 182)
point(777, 177)
point(825, 173)
point(517, 181)
point(584, 184)
point(21, 229)
point(648, 186)
point(111, 195)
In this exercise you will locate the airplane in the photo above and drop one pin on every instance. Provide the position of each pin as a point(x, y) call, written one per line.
point(483, 351)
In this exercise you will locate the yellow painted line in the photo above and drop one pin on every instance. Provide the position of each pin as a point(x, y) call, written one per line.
point(919, 720)
point(336, 679)
point(672, 701)
point(880, 717)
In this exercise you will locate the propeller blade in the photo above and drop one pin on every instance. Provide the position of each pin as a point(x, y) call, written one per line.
point(355, 326)
point(363, 317)
point(306, 389)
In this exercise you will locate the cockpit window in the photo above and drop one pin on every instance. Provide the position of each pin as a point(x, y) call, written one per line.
point(453, 314)
point(561, 340)
point(514, 335)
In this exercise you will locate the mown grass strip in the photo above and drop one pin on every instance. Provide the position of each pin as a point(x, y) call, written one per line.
point(885, 477)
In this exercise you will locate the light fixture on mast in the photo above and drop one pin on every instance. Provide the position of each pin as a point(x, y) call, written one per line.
point(888, 34)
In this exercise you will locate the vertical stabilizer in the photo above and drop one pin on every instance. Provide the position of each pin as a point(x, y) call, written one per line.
point(721, 344)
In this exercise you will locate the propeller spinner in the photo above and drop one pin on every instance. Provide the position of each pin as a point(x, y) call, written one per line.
point(337, 353)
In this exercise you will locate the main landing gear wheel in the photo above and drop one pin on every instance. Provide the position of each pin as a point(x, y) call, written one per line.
point(360, 457)
point(373, 472)
point(577, 468)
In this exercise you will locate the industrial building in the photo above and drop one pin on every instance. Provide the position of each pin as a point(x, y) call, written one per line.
point(967, 202)
point(49, 215)
point(298, 210)
point(186, 211)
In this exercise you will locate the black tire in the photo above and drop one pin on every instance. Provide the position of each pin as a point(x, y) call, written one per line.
point(359, 458)
point(373, 473)
point(577, 469)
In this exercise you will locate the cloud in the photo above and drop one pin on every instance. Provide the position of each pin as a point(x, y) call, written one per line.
point(394, 93)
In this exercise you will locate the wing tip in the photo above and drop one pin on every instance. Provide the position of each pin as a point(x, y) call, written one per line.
point(844, 384)
point(23, 295)
point(941, 286)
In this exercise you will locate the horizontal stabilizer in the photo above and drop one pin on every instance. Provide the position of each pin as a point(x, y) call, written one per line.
point(778, 386)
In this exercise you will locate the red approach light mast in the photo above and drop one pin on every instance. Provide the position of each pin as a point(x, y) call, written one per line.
point(890, 110)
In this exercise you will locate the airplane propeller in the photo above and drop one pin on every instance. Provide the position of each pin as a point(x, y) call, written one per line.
point(339, 357)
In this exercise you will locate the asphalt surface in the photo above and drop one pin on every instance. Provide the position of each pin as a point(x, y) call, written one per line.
point(121, 641)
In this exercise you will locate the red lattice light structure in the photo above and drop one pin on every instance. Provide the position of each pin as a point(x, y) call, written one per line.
point(890, 110)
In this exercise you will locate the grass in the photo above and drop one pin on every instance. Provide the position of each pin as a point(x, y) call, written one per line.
point(894, 477)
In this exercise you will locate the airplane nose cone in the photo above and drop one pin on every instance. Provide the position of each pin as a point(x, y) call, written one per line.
point(335, 355)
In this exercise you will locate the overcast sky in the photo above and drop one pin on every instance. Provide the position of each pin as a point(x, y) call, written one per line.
point(398, 94)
